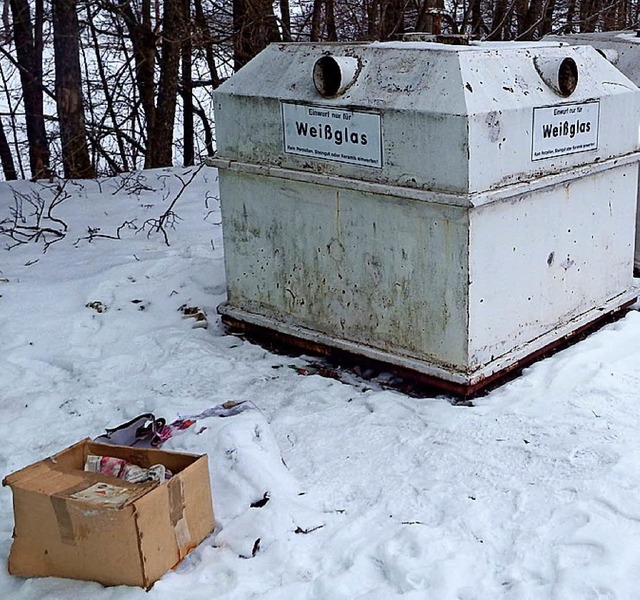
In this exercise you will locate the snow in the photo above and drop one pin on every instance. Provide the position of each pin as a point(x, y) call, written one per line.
point(472, 45)
point(533, 492)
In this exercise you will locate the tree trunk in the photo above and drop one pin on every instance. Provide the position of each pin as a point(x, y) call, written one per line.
point(547, 18)
point(208, 133)
point(622, 16)
point(28, 51)
point(316, 21)
point(187, 91)
point(143, 41)
point(160, 140)
point(610, 15)
point(373, 22)
point(330, 18)
point(532, 21)
point(106, 90)
point(254, 27)
point(73, 133)
point(6, 22)
point(391, 19)
point(571, 11)
point(501, 18)
point(6, 159)
point(589, 14)
point(285, 16)
point(204, 34)
point(477, 24)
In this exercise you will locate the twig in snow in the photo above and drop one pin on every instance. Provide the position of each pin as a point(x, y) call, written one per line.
point(310, 530)
point(168, 217)
point(32, 218)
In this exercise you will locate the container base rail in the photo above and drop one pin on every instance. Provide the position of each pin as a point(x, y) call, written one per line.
point(415, 382)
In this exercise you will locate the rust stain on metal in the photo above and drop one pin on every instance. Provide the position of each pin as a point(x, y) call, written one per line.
point(416, 383)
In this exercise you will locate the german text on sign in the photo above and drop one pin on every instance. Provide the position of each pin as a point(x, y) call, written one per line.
point(336, 134)
point(565, 129)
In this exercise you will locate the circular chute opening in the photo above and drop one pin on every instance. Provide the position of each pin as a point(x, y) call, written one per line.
point(567, 76)
point(327, 76)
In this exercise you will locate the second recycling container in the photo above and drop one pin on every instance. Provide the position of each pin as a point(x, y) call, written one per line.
point(621, 48)
point(447, 209)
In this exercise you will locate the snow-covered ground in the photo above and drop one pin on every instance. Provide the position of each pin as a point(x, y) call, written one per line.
point(532, 493)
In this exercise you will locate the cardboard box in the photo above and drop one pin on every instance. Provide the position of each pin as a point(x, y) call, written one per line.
point(72, 523)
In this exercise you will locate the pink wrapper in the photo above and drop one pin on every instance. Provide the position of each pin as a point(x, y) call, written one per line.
point(108, 465)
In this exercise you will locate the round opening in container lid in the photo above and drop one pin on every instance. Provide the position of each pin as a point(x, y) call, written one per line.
point(568, 76)
point(332, 75)
point(559, 73)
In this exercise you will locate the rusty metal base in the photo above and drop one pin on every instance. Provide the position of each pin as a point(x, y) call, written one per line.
point(414, 382)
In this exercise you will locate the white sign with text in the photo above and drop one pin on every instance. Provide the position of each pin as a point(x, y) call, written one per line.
point(565, 129)
point(323, 132)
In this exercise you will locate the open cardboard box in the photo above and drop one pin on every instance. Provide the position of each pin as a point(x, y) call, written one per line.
point(83, 525)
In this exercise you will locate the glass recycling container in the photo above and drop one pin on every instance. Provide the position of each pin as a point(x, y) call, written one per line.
point(449, 210)
point(622, 49)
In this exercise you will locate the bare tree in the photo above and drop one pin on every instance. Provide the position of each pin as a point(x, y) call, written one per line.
point(160, 139)
point(187, 87)
point(254, 27)
point(28, 46)
point(73, 133)
point(8, 168)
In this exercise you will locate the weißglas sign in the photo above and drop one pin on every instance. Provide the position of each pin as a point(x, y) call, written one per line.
point(323, 132)
point(565, 129)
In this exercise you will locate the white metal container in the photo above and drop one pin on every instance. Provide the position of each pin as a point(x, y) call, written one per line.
point(451, 210)
point(621, 48)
